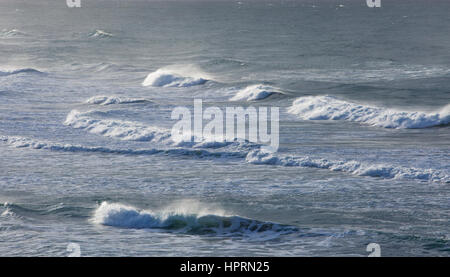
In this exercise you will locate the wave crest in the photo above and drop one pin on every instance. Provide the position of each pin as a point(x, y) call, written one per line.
point(176, 77)
point(331, 108)
point(255, 92)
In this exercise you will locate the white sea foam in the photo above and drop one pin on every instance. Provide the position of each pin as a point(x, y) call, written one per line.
point(386, 171)
point(331, 108)
point(110, 100)
point(254, 92)
point(183, 219)
point(176, 76)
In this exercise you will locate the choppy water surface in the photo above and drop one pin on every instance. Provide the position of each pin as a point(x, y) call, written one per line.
point(87, 156)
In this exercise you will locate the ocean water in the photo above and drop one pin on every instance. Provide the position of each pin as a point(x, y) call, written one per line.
point(86, 155)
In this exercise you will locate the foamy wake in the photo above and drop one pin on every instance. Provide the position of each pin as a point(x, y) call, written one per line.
point(186, 76)
point(331, 108)
point(254, 92)
point(20, 71)
point(100, 34)
point(110, 100)
point(386, 171)
point(180, 219)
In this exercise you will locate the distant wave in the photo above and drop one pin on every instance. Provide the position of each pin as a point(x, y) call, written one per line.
point(100, 34)
point(110, 100)
point(254, 92)
point(331, 108)
point(178, 220)
point(185, 76)
point(354, 167)
point(5, 33)
point(20, 71)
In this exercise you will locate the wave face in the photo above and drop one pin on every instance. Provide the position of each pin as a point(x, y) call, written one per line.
point(385, 171)
point(100, 34)
point(176, 77)
point(179, 220)
point(331, 108)
point(20, 71)
point(254, 92)
point(110, 100)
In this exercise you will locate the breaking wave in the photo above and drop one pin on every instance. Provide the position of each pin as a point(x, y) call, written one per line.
point(331, 108)
point(176, 77)
point(254, 92)
point(354, 167)
point(110, 100)
point(184, 221)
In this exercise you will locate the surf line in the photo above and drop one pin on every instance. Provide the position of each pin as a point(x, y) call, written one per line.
point(248, 124)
